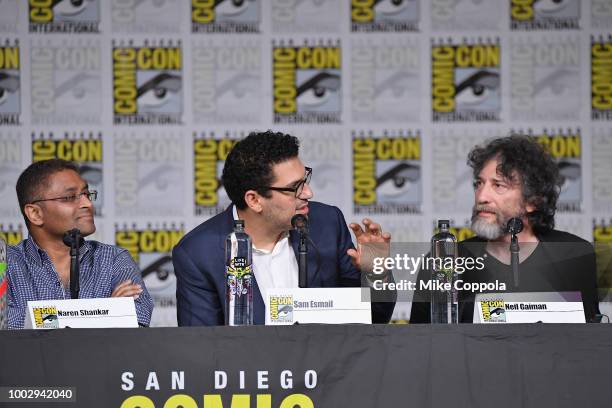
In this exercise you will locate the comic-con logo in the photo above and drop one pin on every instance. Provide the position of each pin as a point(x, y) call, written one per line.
point(10, 83)
point(151, 249)
point(601, 152)
point(64, 16)
point(493, 311)
point(387, 173)
point(565, 147)
point(11, 234)
point(147, 16)
point(281, 309)
point(601, 78)
point(324, 151)
point(66, 83)
point(45, 317)
point(209, 154)
point(10, 168)
point(384, 15)
point(544, 15)
point(226, 85)
point(385, 81)
point(466, 82)
point(225, 16)
point(147, 83)
point(601, 14)
point(83, 149)
point(310, 16)
point(8, 11)
point(148, 174)
point(465, 15)
point(545, 79)
point(307, 83)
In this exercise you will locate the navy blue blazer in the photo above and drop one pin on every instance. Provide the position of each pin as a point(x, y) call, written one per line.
point(199, 266)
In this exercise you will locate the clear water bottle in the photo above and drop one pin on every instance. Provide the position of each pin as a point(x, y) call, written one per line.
point(444, 296)
point(3, 286)
point(238, 277)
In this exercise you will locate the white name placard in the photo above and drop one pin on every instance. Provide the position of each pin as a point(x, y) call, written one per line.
point(537, 307)
point(317, 305)
point(81, 313)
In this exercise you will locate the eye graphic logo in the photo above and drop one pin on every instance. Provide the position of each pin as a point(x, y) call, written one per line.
point(542, 75)
point(225, 16)
point(466, 82)
point(147, 16)
point(465, 15)
point(64, 16)
point(281, 309)
point(306, 16)
point(45, 317)
point(565, 147)
point(307, 84)
point(387, 173)
point(384, 15)
point(493, 311)
point(147, 84)
point(83, 149)
point(544, 14)
point(601, 151)
point(209, 154)
point(10, 84)
point(601, 78)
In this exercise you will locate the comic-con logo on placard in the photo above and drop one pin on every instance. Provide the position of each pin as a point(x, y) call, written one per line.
point(544, 14)
point(226, 83)
point(601, 152)
point(545, 79)
point(82, 148)
point(601, 78)
point(66, 82)
point(309, 16)
point(209, 154)
point(465, 15)
point(281, 309)
point(11, 167)
point(147, 16)
point(384, 15)
point(45, 317)
point(147, 83)
point(12, 234)
point(493, 311)
point(64, 16)
point(225, 16)
point(307, 82)
point(10, 83)
point(387, 176)
point(386, 81)
point(466, 81)
point(148, 174)
point(151, 248)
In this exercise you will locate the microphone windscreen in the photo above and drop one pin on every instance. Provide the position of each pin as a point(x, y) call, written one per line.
point(514, 226)
point(299, 221)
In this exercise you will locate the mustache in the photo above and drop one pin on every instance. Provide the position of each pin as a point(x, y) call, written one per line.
point(483, 208)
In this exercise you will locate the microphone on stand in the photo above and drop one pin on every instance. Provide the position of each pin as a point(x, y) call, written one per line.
point(299, 222)
point(74, 240)
point(514, 226)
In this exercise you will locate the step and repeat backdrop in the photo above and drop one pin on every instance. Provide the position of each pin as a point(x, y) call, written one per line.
point(387, 97)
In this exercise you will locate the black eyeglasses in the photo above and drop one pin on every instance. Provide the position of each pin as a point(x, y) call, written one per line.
point(91, 196)
point(299, 187)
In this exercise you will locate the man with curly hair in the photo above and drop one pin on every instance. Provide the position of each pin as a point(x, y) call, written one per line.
point(268, 184)
point(516, 177)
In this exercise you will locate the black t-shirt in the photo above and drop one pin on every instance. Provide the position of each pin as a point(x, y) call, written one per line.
point(561, 262)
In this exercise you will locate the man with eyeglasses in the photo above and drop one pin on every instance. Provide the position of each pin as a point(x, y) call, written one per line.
point(53, 199)
point(268, 184)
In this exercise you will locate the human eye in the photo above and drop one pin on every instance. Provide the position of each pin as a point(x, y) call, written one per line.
point(500, 188)
point(70, 198)
point(477, 184)
point(318, 89)
point(159, 90)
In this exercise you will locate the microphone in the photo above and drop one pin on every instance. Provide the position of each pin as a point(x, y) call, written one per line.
point(74, 240)
point(514, 226)
point(299, 222)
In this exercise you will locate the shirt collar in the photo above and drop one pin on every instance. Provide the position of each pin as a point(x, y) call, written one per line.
point(34, 252)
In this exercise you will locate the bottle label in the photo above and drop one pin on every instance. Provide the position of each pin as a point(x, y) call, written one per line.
point(238, 275)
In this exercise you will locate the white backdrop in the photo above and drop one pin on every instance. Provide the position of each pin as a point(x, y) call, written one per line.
point(387, 98)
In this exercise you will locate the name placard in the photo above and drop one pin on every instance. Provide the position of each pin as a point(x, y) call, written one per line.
point(81, 313)
point(317, 305)
point(537, 307)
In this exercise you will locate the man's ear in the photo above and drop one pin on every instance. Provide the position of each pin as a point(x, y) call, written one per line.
point(34, 213)
point(253, 200)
